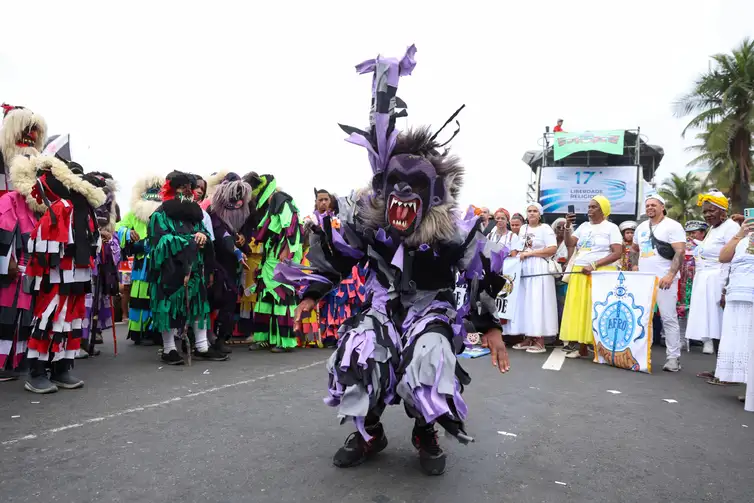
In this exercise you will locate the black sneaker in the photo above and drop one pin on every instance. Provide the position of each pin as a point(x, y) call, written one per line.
point(221, 347)
point(7, 375)
point(431, 455)
point(211, 355)
point(356, 450)
point(172, 358)
point(61, 375)
point(40, 385)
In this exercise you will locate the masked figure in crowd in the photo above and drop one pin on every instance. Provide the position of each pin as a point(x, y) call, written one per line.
point(132, 235)
point(23, 133)
point(629, 258)
point(229, 211)
point(280, 233)
point(105, 283)
point(180, 247)
point(64, 244)
point(19, 213)
point(406, 229)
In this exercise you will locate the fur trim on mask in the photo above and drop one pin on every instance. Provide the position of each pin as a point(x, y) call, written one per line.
point(224, 193)
point(144, 209)
point(74, 183)
point(438, 224)
point(15, 122)
point(213, 181)
point(23, 176)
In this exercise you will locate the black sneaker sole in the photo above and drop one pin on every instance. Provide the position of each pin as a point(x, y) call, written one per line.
point(432, 471)
point(63, 385)
point(46, 391)
point(179, 362)
point(199, 356)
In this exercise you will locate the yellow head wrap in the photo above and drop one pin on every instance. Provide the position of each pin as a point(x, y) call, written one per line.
point(604, 204)
point(715, 197)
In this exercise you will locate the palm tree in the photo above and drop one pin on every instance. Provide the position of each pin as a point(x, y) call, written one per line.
point(723, 100)
point(681, 194)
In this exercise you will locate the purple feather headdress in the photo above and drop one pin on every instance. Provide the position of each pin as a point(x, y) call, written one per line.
point(386, 107)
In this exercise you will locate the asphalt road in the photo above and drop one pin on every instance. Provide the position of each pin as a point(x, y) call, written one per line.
point(254, 429)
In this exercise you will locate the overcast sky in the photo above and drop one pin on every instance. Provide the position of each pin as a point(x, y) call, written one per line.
point(157, 86)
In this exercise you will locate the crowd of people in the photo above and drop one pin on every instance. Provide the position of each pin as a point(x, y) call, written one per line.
point(200, 262)
point(704, 273)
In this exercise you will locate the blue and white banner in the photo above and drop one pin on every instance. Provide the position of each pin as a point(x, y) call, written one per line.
point(560, 186)
point(622, 308)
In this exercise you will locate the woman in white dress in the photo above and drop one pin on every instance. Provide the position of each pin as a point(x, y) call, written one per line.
point(735, 361)
point(536, 315)
point(705, 312)
point(501, 235)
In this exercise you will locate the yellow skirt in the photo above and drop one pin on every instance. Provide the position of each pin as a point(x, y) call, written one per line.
point(576, 325)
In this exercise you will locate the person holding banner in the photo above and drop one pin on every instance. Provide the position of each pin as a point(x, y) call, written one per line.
point(705, 315)
point(599, 246)
point(735, 360)
point(662, 245)
point(538, 289)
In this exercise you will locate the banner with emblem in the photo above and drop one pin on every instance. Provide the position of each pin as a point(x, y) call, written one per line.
point(507, 299)
point(622, 308)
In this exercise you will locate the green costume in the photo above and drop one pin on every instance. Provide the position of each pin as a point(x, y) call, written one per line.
point(280, 233)
point(139, 314)
point(174, 254)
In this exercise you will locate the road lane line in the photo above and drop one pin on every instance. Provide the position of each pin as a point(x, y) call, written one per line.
point(142, 408)
point(556, 359)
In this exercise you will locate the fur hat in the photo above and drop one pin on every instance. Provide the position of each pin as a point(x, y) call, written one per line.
point(23, 133)
point(145, 196)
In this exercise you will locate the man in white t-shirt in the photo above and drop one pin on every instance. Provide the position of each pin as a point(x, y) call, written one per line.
point(666, 269)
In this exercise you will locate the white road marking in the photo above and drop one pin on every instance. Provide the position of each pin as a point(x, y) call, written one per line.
point(560, 483)
point(506, 434)
point(157, 404)
point(669, 400)
point(614, 391)
point(555, 360)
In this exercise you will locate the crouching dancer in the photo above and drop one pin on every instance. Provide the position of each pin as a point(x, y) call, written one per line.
point(179, 248)
point(405, 229)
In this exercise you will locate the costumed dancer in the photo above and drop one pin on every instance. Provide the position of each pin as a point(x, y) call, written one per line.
point(19, 213)
point(179, 249)
point(63, 245)
point(228, 211)
point(280, 233)
point(132, 235)
point(245, 326)
point(343, 302)
point(403, 345)
point(105, 273)
point(695, 232)
point(23, 133)
point(629, 258)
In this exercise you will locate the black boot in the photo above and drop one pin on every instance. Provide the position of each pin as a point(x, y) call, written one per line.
point(37, 381)
point(431, 456)
point(61, 375)
point(356, 450)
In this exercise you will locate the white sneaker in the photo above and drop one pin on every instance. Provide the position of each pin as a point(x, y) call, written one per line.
point(709, 347)
point(672, 365)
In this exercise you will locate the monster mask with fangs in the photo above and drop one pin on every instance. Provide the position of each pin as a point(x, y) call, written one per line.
point(405, 231)
point(23, 133)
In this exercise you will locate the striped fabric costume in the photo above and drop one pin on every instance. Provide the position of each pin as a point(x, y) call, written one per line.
point(132, 236)
point(405, 229)
point(63, 246)
point(19, 213)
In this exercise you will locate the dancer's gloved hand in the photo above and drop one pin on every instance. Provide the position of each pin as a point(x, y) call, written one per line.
point(305, 306)
point(494, 340)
